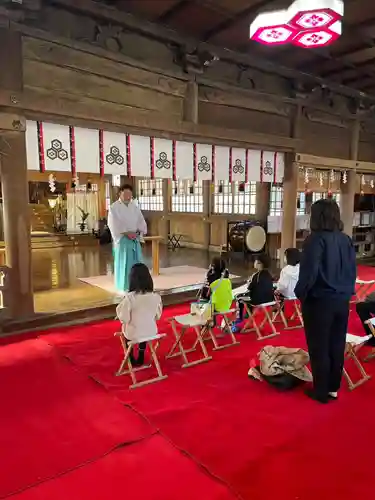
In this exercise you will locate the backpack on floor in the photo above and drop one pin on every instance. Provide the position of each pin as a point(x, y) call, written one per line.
point(282, 382)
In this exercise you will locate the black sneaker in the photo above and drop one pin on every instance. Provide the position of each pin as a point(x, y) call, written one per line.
point(316, 397)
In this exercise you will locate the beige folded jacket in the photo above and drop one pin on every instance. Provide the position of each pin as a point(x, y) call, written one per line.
point(279, 360)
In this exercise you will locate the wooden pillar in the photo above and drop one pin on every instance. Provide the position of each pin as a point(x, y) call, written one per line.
point(348, 189)
point(191, 114)
point(206, 214)
point(288, 228)
point(102, 198)
point(14, 181)
point(164, 221)
point(11, 64)
point(347, 202)
point(262, 201)
point(17, 230)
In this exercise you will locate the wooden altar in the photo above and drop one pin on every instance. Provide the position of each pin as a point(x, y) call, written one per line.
point(155, 242)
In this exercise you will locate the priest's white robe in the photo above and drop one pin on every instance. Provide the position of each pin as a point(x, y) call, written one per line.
point(125, 218)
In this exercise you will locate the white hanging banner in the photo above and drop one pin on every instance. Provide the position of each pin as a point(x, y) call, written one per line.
point(56, 147)
point(268, 167)
point(86, 149)
point(238, 166)
point(204, 162)
point(162, 158)
point(280, 167)
point(254, 160)
point(32, 146)
point(139, 156)
point(221, 163)
point(114, 153)
point(184, 160)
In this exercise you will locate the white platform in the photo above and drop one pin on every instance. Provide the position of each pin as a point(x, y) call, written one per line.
point(169, 279)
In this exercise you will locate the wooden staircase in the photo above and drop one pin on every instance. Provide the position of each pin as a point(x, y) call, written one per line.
point(48, 241)
point(41, 219)
point(43, 234)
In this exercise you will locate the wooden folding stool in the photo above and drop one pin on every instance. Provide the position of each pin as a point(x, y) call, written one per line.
point(208, 334)
point(184, 322)
point(128, 347)
point(371, 325)
point(362, 289)
point(251, 323)
point(227, 327)
point(296, 314)
point(353, 345)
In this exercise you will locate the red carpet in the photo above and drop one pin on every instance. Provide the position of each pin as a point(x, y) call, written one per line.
point(260, 443)
point(231, 424)
point(53, 418)
point(366, 273)
point(151, 470)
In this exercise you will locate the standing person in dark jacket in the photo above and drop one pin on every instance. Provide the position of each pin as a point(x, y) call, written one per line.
point(325, 286)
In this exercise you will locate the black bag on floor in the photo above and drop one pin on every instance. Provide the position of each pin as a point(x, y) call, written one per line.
point(283, 382)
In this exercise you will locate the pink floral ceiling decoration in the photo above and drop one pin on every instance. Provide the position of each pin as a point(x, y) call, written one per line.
point(303, 24)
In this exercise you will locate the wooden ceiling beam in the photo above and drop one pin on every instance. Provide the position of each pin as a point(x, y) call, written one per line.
point(356, 72)
point(153, 30)
point(42, 103)
point(252, 10)
point(357, 63)
point(211, 5)
point(364, 83)
point(367, 71)
point(364, 43)
point(340, 164)
point(356, 78)
point(368, 86)
point(337, 71)
point(325, 54)
point(359, 47)
point(168, 15)
point(361, 55)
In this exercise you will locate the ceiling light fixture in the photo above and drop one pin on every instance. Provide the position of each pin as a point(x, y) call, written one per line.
point(301, 24)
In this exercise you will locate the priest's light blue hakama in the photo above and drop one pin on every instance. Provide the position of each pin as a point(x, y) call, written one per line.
point(126, 253)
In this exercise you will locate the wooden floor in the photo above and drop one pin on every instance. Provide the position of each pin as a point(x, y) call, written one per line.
point(56, 274)
point(61, 298)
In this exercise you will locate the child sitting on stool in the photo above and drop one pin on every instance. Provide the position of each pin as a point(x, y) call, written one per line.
point(216, 271)
point(288, 276)
point(259, 288)
point(139, 310)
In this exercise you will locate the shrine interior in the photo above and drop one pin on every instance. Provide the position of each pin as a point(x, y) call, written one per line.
point(226, 120)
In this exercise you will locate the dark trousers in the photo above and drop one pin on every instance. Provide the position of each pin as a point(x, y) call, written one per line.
point(141, 353)
point(326, 323)
point(204, 293)
point(141, 345)
point(241, 306)
point(365, 311)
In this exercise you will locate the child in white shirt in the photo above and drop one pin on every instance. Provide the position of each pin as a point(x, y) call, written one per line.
point(289, 274)
point(139, 310)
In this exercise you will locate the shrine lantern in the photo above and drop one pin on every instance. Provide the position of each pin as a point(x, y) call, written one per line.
point(271, 28)
point(318, 38)
point(308, 15)
point(303, 24)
